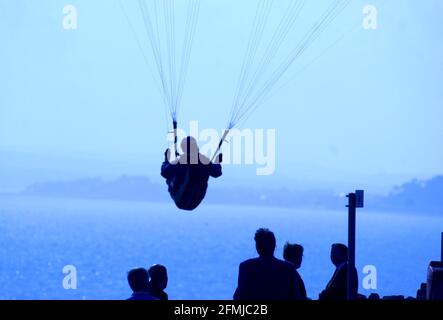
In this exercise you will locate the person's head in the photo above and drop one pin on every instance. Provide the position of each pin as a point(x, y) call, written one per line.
point(159, 276)
point(189, 145)
point(339, 254)
point(138, 279)
point(293, 253)
point(265, 242)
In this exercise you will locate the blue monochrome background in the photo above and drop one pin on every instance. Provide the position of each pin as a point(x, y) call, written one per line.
point(83, 129)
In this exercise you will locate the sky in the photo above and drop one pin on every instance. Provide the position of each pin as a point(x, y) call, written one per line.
point(361, 109)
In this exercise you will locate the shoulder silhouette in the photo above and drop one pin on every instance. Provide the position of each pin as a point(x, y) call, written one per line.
point(265, 277)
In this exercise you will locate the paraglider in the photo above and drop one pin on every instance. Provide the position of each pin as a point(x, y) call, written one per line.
point(187, 183)
point(187, 176)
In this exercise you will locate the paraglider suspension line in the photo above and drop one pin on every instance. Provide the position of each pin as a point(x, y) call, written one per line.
point(222, 140)
point(175, 126)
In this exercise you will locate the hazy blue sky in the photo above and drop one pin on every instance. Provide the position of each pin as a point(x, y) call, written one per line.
point(366, 113)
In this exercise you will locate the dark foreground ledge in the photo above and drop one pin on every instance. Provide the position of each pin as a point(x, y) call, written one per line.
point(220, 309)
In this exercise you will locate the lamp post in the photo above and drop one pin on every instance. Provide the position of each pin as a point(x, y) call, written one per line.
point(355, 200)
point(441, 248)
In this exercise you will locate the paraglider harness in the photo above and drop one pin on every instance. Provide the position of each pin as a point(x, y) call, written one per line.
point(187, 197)
point(188, 189)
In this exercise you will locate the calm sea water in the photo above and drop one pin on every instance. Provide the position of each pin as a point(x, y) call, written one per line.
point(202, 250)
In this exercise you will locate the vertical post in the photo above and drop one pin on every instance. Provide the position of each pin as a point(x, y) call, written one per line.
point(441, 257)
point(351, 244)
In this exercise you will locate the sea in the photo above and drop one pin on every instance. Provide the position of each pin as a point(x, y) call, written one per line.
point(73, 249)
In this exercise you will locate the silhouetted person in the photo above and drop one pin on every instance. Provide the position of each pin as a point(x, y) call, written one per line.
point(293, 253)
point(138, 280)
point(265, 277)
point(374, 296)
point(187, 177)
point(337, 287)
point(158, 282)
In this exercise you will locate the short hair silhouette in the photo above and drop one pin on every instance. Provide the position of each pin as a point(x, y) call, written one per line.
point(339, 253)
point(293, 253)
point(265, 242)
point(138, 279)
point(159, 276)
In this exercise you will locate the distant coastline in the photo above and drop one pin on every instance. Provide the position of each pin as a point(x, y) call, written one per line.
point(415, 196)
